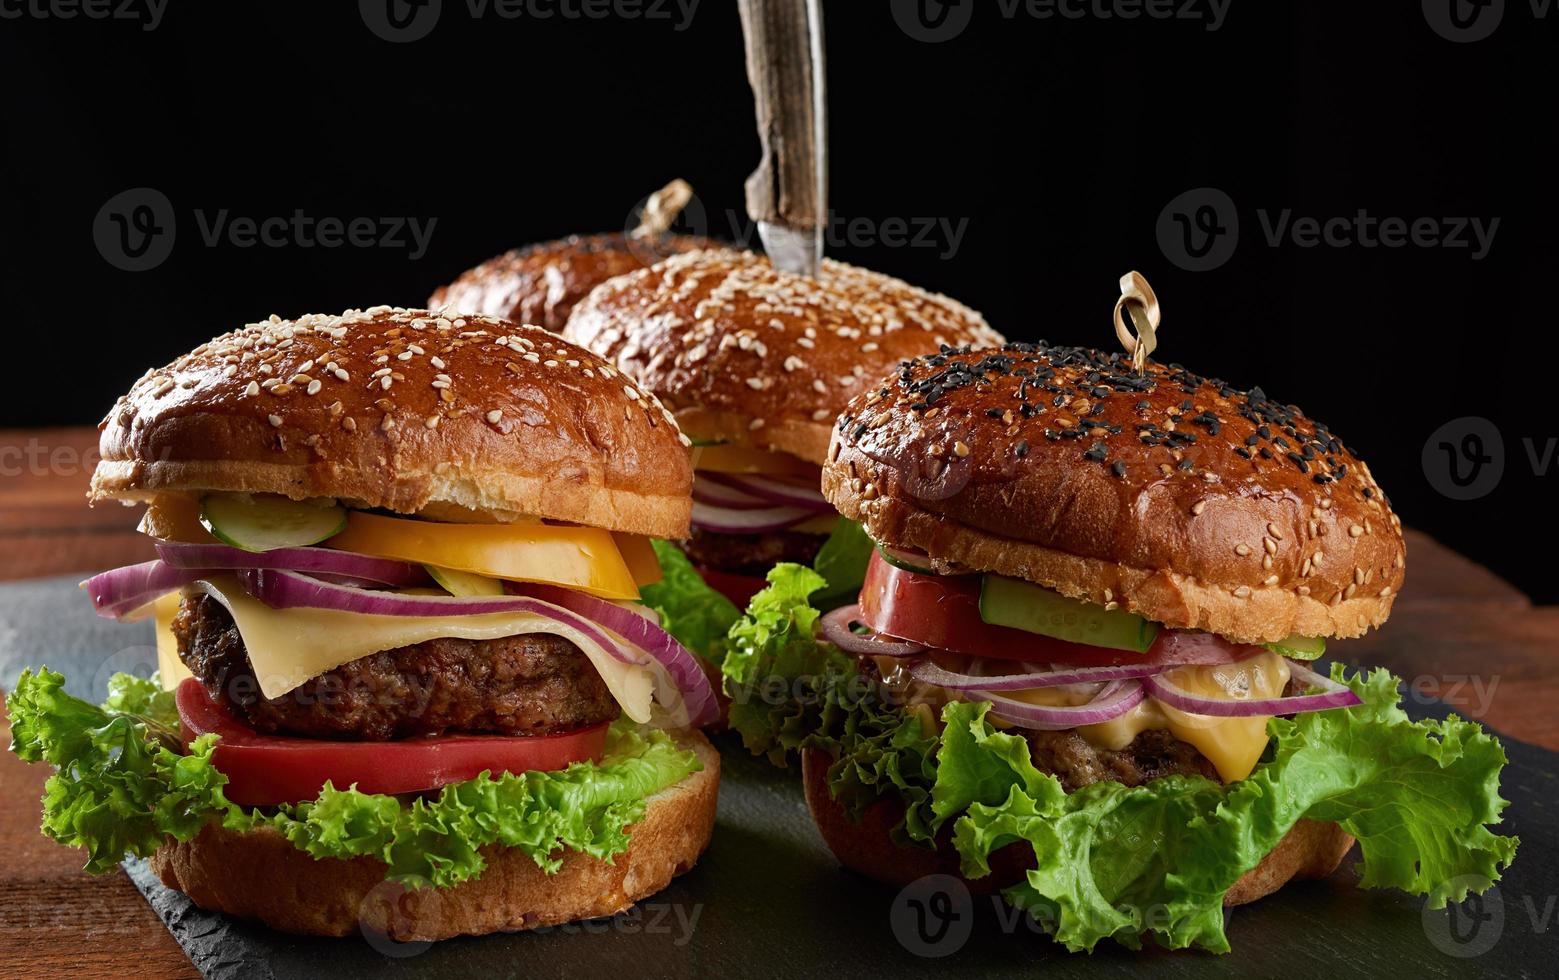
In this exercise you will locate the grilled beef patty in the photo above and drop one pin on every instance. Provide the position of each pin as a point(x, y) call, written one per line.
point(533, 684)
point(1152, 754)
point(751, 554)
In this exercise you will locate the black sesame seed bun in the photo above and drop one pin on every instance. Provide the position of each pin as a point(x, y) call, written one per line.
point(465, 417)
point(542, 283)
point(744, 352)
point(1174, 496)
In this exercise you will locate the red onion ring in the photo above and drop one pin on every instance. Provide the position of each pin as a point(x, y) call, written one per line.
point(1114, 700)
point(835, 627)
point(773, 490)
point(119, 592)
point(691, 681)
point(929, 673)
point(322, 562)
point(728, 520)
point(1333, 695)
point(707, 491)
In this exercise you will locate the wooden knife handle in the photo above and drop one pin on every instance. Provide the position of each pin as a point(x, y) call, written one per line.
point(788, 187)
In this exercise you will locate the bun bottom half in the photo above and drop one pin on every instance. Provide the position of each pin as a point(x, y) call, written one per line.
point(261, 876)
point(1311, 849)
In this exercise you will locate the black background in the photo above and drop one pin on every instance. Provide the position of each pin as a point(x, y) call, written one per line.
point(1059, 139)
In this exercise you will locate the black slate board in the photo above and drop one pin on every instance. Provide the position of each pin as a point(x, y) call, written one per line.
point(768, 900)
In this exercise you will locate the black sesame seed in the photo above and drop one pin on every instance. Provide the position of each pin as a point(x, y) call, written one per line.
point(1118, 468)
point(1022, 449)
point(1095, 452)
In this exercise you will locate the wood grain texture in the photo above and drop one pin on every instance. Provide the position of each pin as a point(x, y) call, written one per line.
point(1458, 633)
point(784, 189)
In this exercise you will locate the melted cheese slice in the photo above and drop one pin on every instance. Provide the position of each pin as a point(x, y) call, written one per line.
point(170, 669)
point(1232, 745)
point(288, 647)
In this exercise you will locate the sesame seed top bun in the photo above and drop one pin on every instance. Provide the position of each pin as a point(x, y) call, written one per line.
point(1177, 497)
point(540, 284)
point(744, 352)
point(471, 418)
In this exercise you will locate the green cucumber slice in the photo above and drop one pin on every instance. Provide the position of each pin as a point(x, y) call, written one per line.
point(1026, 606)
point(265, 522)
point(458, 583)
point(904, 560)
point(1298, 647)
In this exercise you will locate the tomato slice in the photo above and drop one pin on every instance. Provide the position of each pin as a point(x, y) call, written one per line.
point(943, 612)
point(738, 588)
point(264, 770)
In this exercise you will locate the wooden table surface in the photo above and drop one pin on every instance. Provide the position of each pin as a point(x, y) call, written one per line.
point(1458, 633)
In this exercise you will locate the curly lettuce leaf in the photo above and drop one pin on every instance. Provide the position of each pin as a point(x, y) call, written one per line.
point(1419, 796)
point(122, 789)
point(842, 562)
point(690, 610)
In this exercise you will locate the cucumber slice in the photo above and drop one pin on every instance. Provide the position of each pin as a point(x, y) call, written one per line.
point(905, 559)
point(1298, 647)
point(1025, 606)
point(698, 443)
point(459, 583)
point(264, 522)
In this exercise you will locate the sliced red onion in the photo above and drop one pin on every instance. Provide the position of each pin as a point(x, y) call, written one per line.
point(1114, 700)
point(1333, 695)
point(327, 563)
point(774, 490)
point(716, 494)
point(729, 520)
point(634, 626)
point(836, 629)
point(929, 673)
point(120, 592)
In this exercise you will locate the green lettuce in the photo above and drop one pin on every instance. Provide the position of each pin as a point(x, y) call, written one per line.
point(122, 787)
point(1125, 863)
point(690, 610)
point(842, 562)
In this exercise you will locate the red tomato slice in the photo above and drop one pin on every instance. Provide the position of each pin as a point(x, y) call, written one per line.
point(943, 612)
point(738, 588)
point(264, 770)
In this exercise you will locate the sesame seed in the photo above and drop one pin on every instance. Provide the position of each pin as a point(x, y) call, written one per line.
point(1272, 529)
point(314, 386)
point(349, 424)
point(275, 420)
point(960, 448)
point(1198, 507)
point(1242, 549)
point(1355, 531)
point(1270, 545)
point(252, 389)
point(431, 422)
point(1270, 580)
point(494, 416)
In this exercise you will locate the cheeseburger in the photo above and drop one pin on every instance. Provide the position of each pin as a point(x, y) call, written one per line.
point(1082, 666)
point(398, 559)
point(756, 363)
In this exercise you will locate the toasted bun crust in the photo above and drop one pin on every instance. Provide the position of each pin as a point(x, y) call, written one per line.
point(1180, 498)
point(542, 283)
point(260, 875)
point(1310, 849)
point(405, 410)
point(744, 352)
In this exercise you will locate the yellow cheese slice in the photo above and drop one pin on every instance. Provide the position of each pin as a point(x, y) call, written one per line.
point(1232, 745)
point(170, 669)
point(288, 647)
